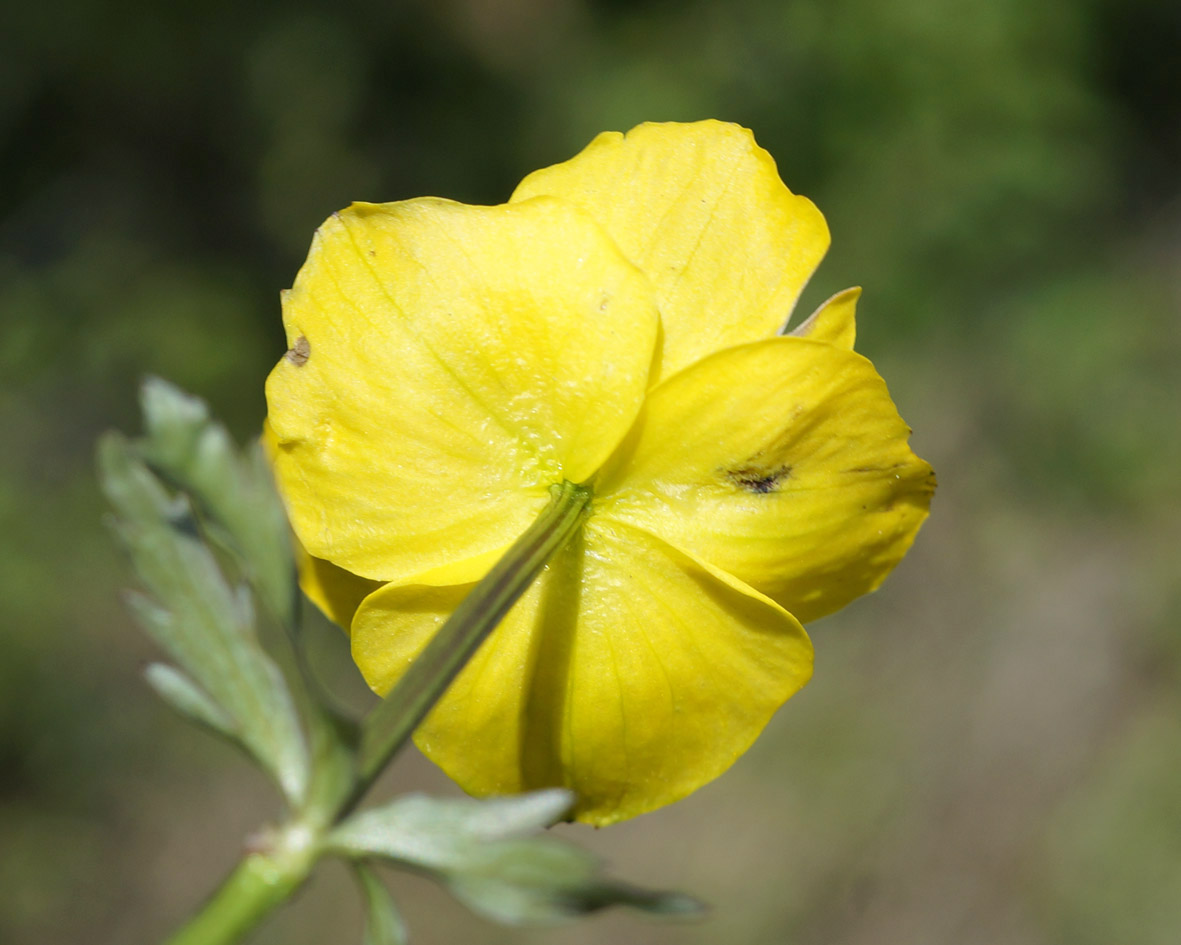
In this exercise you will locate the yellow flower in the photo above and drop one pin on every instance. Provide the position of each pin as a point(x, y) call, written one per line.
point(614, 324)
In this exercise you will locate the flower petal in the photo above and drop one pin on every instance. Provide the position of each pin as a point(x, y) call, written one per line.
point(783, 462)
point(701, 209)
point(337, 592)
point(833, 322)
point(630, 673)
point(448, 363)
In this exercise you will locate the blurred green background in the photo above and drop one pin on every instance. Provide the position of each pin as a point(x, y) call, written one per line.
point(991, 749)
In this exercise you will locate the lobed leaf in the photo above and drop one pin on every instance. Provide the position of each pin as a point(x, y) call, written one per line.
point(488, 854)
point(544, 880)
point(438, 833)
point(205, 625)
point(383, 922)
point(236, 493)
point(187, 698)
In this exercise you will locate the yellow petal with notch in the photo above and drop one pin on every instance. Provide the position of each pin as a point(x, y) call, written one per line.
point(447, 364)
point(834, 322)
point(630, 673)
point(783, 462)
point(701, 209)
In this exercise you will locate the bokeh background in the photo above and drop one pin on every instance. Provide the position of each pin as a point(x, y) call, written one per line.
point(990, 751)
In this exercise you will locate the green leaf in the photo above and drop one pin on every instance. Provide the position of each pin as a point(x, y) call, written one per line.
point(236, 494)
point(241, 510)
point(205, 625)
point(542, 880)
point(436, 833)
point(383, 922)
point(187, 698)
point(490, 856)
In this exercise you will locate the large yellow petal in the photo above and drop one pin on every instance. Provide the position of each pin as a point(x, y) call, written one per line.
point(336, 592)
point(447, 364)
point(783, 462)
point(701, 209)
point(630, 673)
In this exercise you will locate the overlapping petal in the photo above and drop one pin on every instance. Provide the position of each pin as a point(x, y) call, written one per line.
point(337, 592)
point(783, 462)
point(701, 209)
point(448, 364)
point(631, 672)
point(833, 322)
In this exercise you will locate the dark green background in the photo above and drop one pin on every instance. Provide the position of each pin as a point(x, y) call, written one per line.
point(991, 749)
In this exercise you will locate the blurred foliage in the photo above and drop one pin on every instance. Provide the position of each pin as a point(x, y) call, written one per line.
point(991, 750)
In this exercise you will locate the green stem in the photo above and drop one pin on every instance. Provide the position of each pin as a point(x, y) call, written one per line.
point(266, 879)
point(259, 884)
point(390, 725)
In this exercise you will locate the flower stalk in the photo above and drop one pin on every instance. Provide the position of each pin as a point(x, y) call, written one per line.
point(268, 877)
point(258, 885)
point(393, 722)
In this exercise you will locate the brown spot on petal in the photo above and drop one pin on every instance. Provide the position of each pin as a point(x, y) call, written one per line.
point(757, 479)
point(299, 352)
